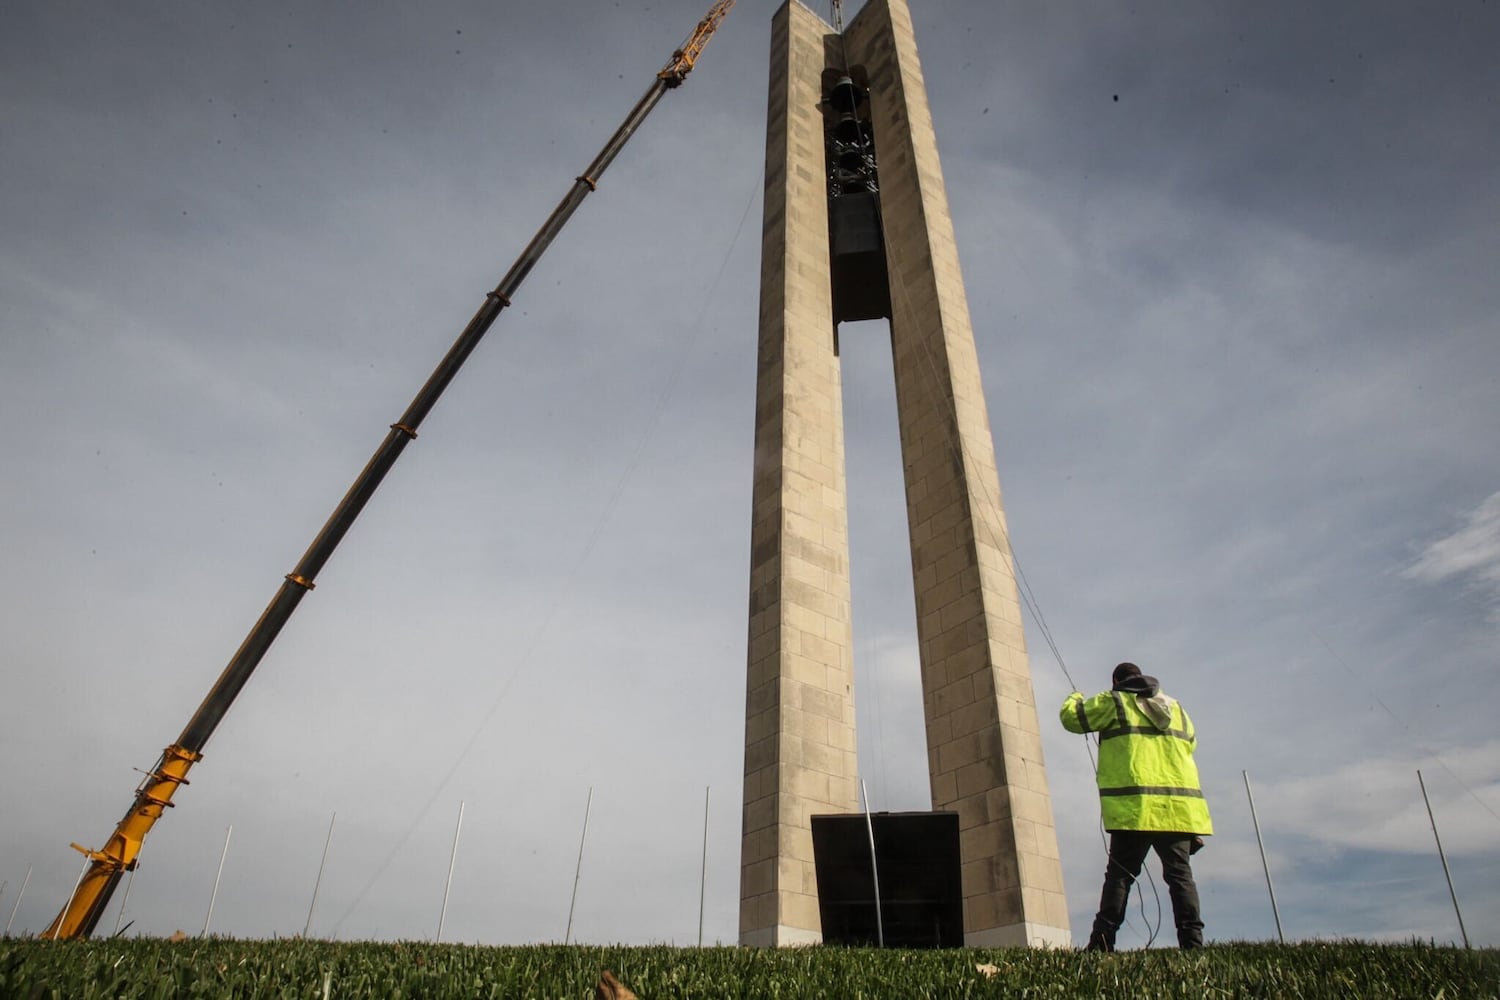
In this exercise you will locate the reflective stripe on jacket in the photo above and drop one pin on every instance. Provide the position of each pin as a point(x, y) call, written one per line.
point(1147, 777)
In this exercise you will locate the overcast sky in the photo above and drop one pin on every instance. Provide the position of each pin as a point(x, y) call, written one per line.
point(1232, 269)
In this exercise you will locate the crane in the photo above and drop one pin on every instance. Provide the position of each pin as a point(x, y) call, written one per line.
point(154, 794)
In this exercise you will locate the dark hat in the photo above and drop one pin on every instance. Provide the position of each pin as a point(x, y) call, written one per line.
point(1125, 671)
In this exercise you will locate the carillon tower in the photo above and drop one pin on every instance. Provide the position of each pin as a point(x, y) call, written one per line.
point(856, 227)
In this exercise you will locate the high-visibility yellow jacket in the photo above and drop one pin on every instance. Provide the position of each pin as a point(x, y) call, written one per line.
point(1147, 777)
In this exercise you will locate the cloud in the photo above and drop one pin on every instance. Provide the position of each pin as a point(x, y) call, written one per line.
point(1471, 553)
point(1238, 346)
point(1376, 803)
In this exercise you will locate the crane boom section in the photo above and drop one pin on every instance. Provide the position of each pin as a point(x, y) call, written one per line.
point(119, 854)
point(681, 64)
point(154, 795)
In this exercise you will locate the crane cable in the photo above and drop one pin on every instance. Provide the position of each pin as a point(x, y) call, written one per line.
point(1033, 606)
point(596, 533)
point(836, 14)
point(872, 697)
point(988, 513)
point(992, 503)
point(1028, 596)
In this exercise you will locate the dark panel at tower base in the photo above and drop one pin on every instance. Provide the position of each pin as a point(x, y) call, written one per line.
point(856, 258)
point(921, 890)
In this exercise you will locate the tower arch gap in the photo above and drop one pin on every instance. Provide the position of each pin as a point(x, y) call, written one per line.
point(890, 734)
point(856, 227)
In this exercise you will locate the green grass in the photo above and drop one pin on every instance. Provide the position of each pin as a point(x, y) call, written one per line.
point(151, 968)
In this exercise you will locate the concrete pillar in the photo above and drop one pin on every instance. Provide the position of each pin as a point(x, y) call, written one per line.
point(984, 743)
point(799, 715)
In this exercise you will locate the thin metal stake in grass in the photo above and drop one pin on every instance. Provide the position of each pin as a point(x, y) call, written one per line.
point(577, 871)
point(452, 858)
point(1444, 859)
point(224, 854)
point(703, 875)
point(19, 897)
point(319, 881)
point(124, 901)
point(71, 895)
point(1269, 888)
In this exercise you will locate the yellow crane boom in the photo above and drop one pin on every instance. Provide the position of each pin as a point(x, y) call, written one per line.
point(154, 794)
point(683, 59)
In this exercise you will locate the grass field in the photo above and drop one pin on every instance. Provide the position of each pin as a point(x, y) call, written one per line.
point(152, 968)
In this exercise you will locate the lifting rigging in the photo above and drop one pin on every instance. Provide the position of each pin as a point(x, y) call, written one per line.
point(153, 796)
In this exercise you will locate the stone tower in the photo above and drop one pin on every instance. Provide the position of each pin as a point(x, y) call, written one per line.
point(857, 227)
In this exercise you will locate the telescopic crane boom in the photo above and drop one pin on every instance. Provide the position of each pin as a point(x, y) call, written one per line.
point(154, 794)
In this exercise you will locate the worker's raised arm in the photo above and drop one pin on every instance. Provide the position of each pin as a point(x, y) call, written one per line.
point(1087, 715)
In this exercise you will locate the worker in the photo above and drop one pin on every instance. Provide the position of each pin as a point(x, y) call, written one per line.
point(1149, 796)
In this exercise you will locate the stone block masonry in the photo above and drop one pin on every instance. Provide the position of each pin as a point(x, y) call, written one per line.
point(984, 744)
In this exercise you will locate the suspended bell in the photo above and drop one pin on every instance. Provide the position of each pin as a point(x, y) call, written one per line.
point(846, 95)
point(848, 130)
point(851, 182)
point(851, 160)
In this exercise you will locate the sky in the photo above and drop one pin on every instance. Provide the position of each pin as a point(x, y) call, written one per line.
point(1232, 274)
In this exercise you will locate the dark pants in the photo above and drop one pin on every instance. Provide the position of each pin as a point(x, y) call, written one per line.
point(1127, 852)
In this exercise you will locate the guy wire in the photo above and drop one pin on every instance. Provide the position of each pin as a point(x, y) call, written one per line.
point(592, 540)
point(989, 516)
point(992, 503)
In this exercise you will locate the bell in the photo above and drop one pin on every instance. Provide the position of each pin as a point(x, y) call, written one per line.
point(848, 130)
point(846, 95)
point(851, 182)
point(851, 160)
